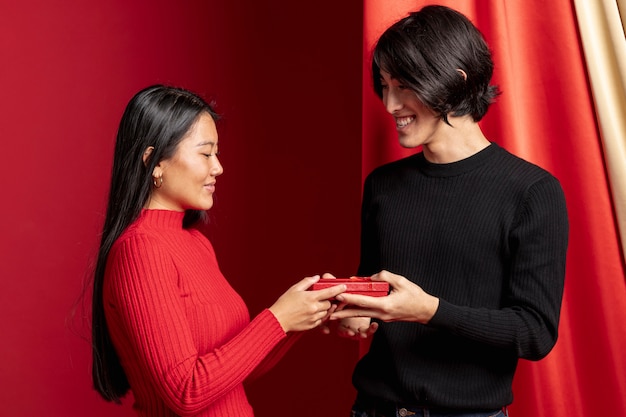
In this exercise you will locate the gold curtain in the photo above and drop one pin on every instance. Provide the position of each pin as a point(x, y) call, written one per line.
point(601, 24)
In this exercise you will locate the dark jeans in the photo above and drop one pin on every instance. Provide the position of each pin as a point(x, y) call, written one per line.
point(398, 411)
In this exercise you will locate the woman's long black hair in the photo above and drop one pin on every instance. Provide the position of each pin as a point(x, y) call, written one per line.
point(158, 116)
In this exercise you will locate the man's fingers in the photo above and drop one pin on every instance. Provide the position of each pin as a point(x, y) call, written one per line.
point(353, 312)
point(360, 300)
point(393, 279)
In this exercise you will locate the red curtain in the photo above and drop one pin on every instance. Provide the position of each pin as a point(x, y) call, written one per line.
point(546, 116)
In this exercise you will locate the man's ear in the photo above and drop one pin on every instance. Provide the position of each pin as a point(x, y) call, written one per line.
point(463, 74)
point(146, 155)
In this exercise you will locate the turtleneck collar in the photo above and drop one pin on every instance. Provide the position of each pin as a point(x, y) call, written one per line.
point(167, 219)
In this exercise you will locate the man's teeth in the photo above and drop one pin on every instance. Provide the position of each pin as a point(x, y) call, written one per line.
point(403, 121)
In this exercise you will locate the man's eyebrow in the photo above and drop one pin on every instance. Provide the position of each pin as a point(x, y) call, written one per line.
point(205, 144)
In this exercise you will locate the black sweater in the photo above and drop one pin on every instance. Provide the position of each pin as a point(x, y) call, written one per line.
point(488, 236)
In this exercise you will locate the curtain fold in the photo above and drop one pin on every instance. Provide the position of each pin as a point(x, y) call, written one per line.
point(546, 115)
point(604, 44)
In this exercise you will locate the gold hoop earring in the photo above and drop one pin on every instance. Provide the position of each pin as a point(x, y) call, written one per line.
point(160, 183)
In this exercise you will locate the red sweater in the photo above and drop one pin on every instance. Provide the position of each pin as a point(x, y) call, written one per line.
point(183, 335)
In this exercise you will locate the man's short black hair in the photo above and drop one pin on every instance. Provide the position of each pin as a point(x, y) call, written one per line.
point(425, 51)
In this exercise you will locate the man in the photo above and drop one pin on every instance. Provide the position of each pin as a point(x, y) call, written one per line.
point(471, 238)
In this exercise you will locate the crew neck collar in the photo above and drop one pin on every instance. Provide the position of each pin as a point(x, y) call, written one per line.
point(458, 167)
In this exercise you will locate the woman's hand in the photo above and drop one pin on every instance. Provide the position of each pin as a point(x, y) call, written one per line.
point(298, 309)
point(406, 302)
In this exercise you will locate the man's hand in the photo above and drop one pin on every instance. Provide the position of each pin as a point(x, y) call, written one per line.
point(406, 302)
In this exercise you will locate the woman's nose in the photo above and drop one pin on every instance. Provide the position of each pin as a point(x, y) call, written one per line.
point(217, 168)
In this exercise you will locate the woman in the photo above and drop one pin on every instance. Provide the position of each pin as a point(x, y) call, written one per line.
point(166, 323)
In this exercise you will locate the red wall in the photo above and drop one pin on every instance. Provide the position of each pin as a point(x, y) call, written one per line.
point(284, 74)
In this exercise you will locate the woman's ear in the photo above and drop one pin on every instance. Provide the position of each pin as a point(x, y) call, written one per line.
point(146, 155)
point(463, 74)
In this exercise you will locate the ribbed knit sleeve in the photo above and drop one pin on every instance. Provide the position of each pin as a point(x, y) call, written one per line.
point(274, 357)
point(182, 333)
point(529, 317)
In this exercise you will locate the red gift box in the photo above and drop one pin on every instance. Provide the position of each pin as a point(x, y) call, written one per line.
point(355, 285)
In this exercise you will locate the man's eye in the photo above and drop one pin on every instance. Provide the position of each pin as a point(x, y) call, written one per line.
point(384, 86)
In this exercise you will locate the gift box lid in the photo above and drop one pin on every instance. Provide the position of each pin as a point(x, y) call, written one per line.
point(355, 285)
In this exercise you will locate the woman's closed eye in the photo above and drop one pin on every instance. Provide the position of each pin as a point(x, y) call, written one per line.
point(216, 153)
